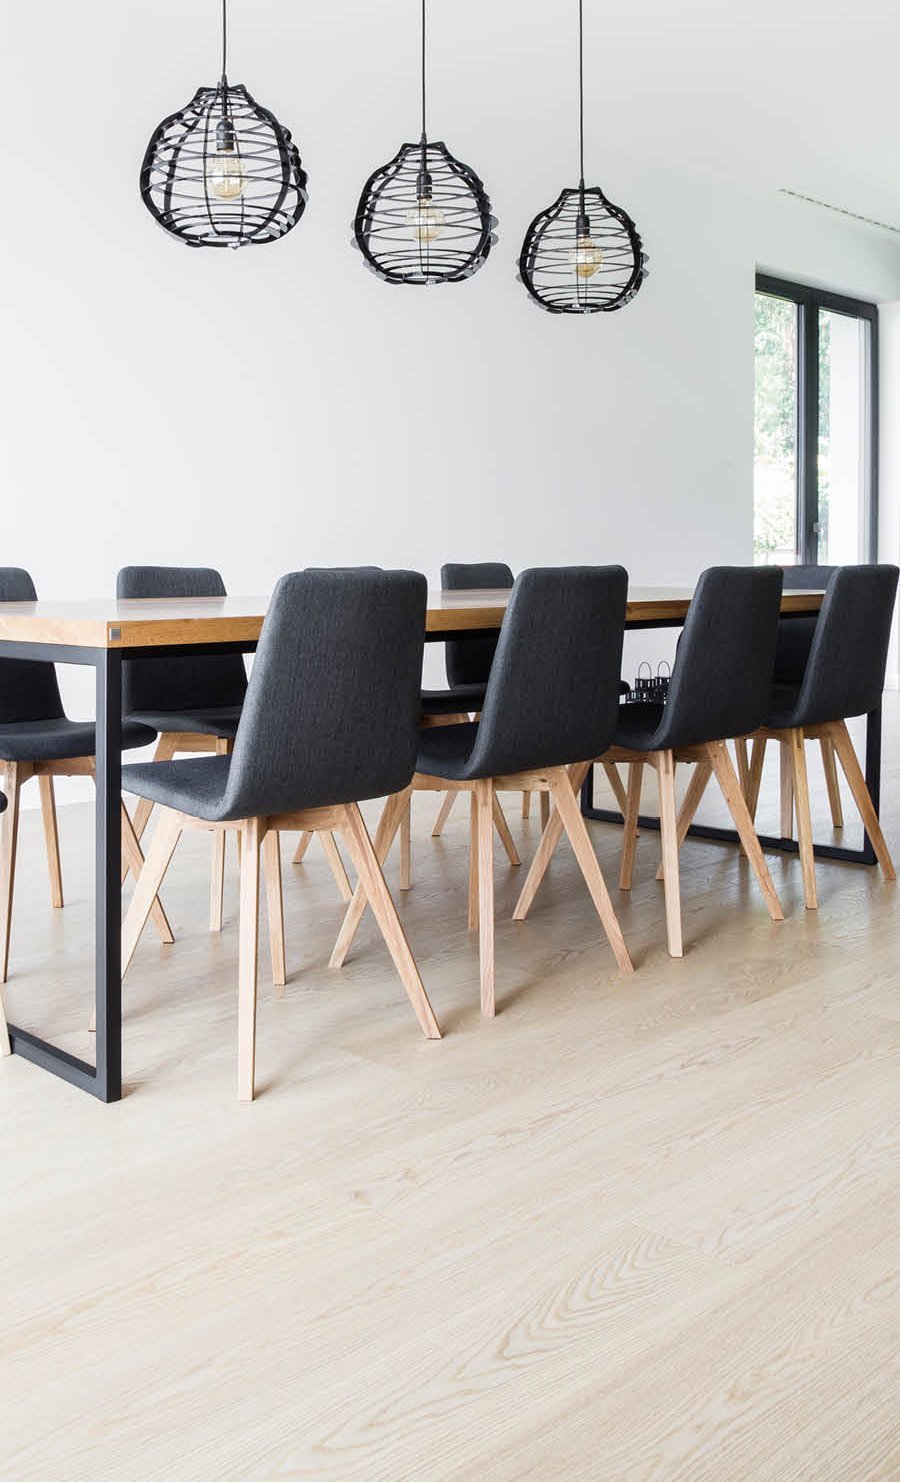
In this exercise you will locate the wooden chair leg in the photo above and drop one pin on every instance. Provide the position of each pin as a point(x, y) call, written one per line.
point(275, 903)
point(385, 912)
point(166, 747)
point(248, 957)
point(630, 814)
point(473, 862)
point(668, 823)
point(538, 867)
point(742, 757)
point(406, 847)
point(217, 869)
point(303, 844)
point(9, 835)
point(787, 791)
point(726, 777)
point(619, 791)
point(159, 855)
point(566, 800)
point(333, 855)
point(134, 859)
point(546, 848)
point(840, 738)
point(545, 809)
point(446, 809)
point(502, 828)
point(217, 880)
point(742, 754)
point(691, 802)
point(757, 762)
point(51, 840)
point(384, 838)
point(831, 782)
point(800, 782)
point(144, 807)
point(526, 804)
point(482, 799)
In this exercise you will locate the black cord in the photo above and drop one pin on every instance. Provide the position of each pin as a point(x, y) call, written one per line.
point(224, 38)
point(423, 69)
point(581, 94)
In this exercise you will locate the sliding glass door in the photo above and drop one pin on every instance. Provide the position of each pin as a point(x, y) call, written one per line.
point(815, 468)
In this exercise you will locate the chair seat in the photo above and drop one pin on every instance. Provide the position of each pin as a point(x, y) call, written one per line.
point(194, 785)
point(61, 740)
point(444, 751)
point(462, 698)
point(637, 726)
point(216, 721)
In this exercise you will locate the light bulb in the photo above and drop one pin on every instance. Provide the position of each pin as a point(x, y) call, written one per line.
point(585, 257)
point(226, 176)
point(425, 220)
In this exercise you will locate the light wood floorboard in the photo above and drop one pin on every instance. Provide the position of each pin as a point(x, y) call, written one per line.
point(640, 1229)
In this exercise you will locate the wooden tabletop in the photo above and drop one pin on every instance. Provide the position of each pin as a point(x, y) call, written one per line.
point(169, 620)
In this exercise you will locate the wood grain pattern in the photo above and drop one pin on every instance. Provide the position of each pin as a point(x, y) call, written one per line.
point(635, 1230)
point(51, 840)
point(160, 621)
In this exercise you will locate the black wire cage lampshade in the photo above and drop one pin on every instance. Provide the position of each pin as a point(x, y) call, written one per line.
point(582, 255)
point(223, 172)
point(424, 217)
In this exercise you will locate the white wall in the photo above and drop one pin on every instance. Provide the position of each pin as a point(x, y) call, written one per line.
point(278, 407)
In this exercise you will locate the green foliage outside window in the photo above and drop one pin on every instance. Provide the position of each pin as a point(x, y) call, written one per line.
point(775, 464)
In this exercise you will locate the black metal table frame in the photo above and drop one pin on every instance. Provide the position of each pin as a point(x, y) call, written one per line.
point(103, 1079)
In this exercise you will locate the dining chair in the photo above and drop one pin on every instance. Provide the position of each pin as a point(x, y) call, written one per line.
point(795, 636)
point(468, 665)
point(720, 688)
point(330, 719)
point(551, 703)
point(194, 703)
point(37, 739)
point(843, 677)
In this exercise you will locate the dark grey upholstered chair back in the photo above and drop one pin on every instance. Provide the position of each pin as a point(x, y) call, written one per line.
point(553, 693)
point(469, 660)
point(722, 680)
point(332, 708)
point(795, 634)
point(181, 683)
point(845, 672)
point(28, 689)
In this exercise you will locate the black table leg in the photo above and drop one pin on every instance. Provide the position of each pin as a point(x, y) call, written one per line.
point(108, 874)
point(873, 773)
point(103, 1080)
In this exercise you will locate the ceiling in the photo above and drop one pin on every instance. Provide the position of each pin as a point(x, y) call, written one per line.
point(774, 94)
point(770, 95)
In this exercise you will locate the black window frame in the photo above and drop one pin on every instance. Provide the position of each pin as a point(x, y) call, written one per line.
point(809, 301)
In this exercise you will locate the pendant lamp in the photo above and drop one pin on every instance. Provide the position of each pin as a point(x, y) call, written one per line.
point(582, 255)
point(424, 217)
point(223, 171)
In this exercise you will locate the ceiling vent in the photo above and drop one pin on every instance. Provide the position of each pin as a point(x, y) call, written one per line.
point(883, 226)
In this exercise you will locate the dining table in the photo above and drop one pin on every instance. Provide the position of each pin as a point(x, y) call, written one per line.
point(104, 634)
